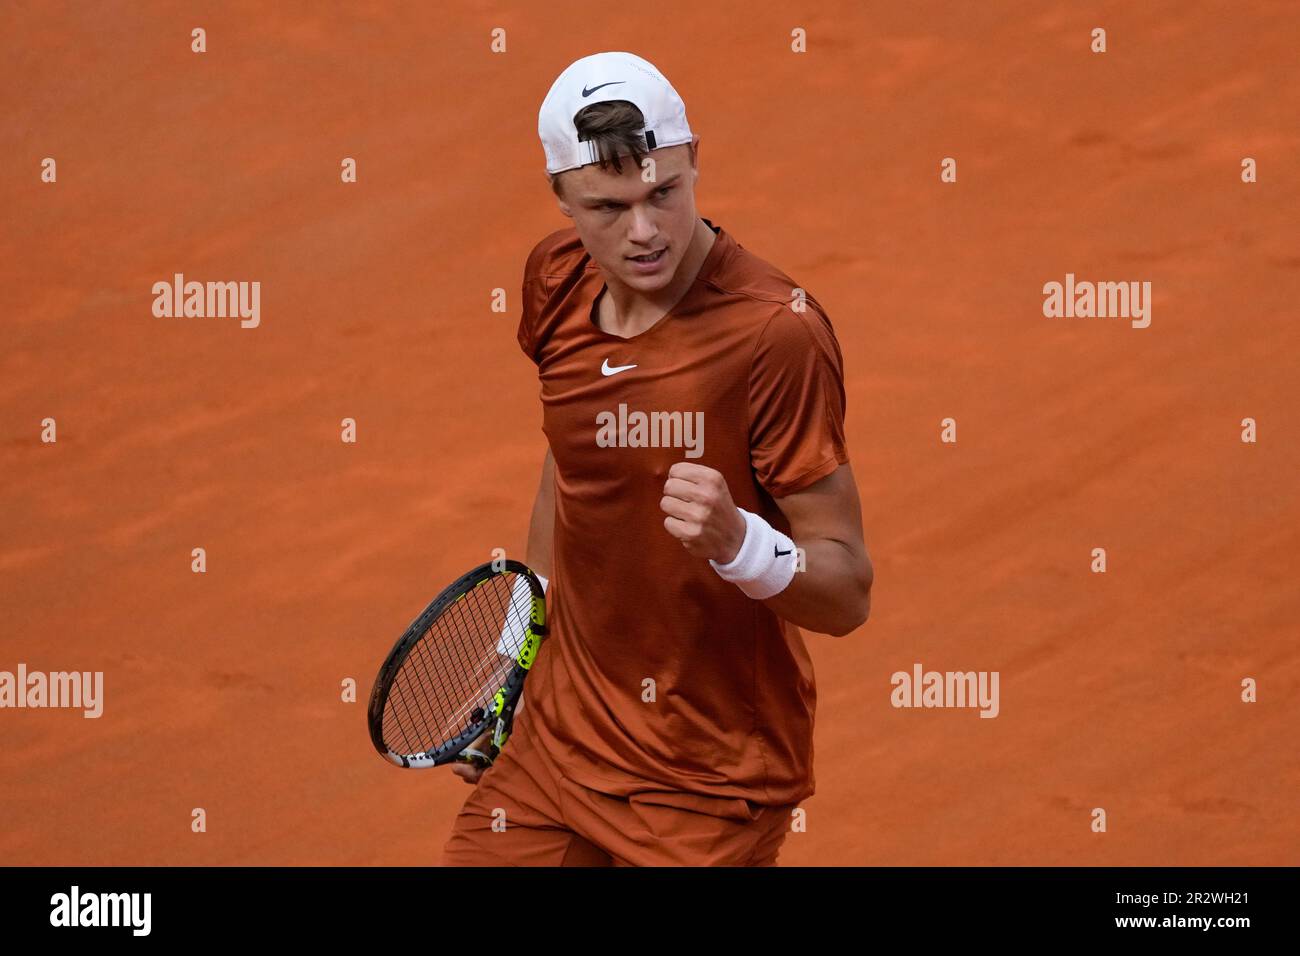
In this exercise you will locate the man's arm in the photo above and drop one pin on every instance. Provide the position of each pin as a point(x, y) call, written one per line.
point(537, 557)
point(833, 594)
point(541, 529)
point(542, 526)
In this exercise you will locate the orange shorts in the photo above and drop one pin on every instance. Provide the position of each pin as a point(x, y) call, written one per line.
point(552, 821)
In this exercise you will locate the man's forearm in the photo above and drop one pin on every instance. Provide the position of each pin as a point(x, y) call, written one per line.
point(541, 526)
point(832, 595)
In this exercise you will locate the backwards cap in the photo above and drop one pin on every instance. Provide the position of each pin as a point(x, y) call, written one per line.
point(596, 79)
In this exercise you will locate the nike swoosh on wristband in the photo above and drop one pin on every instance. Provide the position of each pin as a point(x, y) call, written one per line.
point(606, 369)
point(779, 553)
point(587, 92)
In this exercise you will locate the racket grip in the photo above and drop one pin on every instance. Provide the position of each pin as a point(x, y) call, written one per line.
point(478, 758)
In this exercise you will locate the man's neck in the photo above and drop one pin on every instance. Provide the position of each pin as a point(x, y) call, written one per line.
point(626, 312)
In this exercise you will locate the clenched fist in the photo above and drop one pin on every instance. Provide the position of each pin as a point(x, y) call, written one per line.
point(700, 512)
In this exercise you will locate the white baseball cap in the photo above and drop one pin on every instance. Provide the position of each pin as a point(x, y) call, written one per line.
point(601, 77)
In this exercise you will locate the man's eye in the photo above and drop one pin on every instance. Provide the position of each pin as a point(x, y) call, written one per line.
point(663, 191)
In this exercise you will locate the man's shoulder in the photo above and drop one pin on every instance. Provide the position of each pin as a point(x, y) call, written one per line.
point(772, 291)
point(786, 318)
point(557, 254)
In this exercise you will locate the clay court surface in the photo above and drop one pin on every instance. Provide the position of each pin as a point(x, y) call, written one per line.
point(1118, 690)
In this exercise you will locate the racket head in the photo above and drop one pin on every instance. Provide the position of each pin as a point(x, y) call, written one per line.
point(446, 681)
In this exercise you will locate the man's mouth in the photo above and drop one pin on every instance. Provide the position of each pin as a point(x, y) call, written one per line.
point(649, 257)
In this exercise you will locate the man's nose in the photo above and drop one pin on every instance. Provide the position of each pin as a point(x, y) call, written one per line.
point(643, 228)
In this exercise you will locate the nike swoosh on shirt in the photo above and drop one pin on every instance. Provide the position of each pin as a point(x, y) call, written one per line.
point(607, 369)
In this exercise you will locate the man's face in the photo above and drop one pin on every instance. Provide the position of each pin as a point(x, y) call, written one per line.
point(619, 216)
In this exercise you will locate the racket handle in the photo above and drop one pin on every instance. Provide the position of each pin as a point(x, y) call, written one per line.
point(472, 755)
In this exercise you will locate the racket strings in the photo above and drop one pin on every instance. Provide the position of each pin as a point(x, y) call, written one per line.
point(455, 668)
point(468, 617)
point(428, 699)
point(491, 619)
point(399, 702)
point(502, 622)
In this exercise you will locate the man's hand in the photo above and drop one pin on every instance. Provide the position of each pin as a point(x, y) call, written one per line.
point(832, 594)
point(470, 772)
point(700, 512)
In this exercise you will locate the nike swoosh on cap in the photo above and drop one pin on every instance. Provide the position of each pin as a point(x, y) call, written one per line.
point(587, 92)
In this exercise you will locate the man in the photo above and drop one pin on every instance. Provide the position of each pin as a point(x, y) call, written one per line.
point(696, 502)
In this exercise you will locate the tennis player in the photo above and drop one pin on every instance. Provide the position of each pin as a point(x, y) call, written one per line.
point(696, 507)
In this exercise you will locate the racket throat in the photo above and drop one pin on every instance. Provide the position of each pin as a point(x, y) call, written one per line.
point(502, 729)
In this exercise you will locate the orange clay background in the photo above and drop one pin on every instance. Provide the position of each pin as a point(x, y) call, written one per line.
point(1119, 690)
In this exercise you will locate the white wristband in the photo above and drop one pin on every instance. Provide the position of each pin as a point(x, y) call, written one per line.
point(765, 563)
point(521, 604)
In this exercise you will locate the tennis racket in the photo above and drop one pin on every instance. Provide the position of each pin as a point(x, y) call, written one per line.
point(459, 669)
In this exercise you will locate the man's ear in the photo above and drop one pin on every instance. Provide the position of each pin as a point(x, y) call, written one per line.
point(552, 180)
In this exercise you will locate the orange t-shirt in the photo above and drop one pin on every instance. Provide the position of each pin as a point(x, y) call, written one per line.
point(758, 388)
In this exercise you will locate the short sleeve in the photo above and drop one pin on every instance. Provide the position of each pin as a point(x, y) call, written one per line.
point(533, 299)
point(796, 402)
